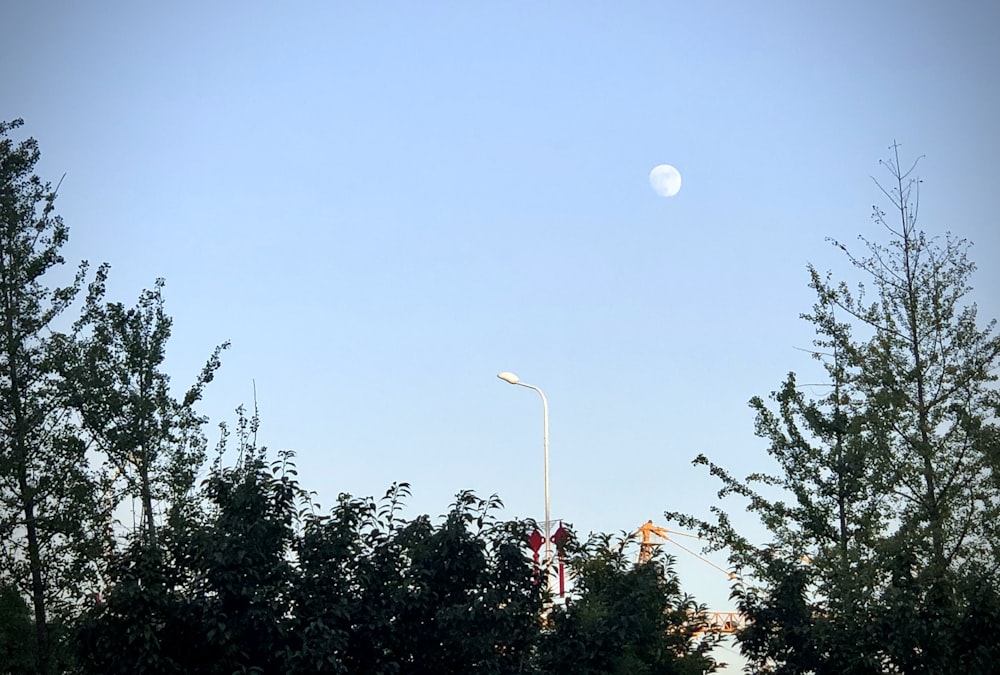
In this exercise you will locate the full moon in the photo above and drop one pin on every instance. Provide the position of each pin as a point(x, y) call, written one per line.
point(666, 180)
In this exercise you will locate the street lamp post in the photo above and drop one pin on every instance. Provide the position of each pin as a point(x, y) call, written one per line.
point(511, 378)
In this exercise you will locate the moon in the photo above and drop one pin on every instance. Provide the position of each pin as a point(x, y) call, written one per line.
point(665, 179)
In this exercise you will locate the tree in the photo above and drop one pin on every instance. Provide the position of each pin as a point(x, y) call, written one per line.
point(258, 579)
point(261, 582)
point(17, 653)
point(115, 383)
point(624, 618)
point(46, 492)
point(886, 525)
point(211, 595)
point(415, 597)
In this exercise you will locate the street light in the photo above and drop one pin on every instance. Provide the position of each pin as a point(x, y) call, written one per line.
point(511, 378)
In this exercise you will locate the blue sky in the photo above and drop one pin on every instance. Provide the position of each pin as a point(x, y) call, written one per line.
point(384, 204)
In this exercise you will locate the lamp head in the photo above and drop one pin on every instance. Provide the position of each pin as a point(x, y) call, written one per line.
point(510, 378)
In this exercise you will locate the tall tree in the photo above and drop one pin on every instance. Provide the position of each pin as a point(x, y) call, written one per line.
point(886, 542)
point(46, 494)
point(151, 442)
point(926, 376)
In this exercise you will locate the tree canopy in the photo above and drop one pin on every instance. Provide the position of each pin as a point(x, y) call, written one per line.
point(883, 512)
point(262, 581)
point(46, 489)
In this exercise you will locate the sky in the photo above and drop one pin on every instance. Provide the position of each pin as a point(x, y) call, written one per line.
point(383, 205)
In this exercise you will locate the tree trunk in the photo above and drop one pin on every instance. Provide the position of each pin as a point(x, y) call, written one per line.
point(149, 524)
point(37, 583)
point(20, 453)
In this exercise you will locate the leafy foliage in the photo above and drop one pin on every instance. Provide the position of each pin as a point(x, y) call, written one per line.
point(46, 491)
point(149, 440)
point(624, 618)
point(885, 544)
point(212, 595)
point(262, 581)
point(387, 595)
point(17, 645)
point(69, 399)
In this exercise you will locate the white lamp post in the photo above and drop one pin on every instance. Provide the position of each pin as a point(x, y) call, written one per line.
point(511, 378)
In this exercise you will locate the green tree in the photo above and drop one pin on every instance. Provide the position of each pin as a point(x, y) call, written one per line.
point(261, 581)
point(883, 513)
point(17, 654)
point(381, 594)
point(624, 617)
point(212, 594)
point(115, 382)
point(258, 581)
point(46, 492)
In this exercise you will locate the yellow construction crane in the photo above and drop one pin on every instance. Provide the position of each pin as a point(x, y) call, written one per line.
point(651, 535)
point(646, 544)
